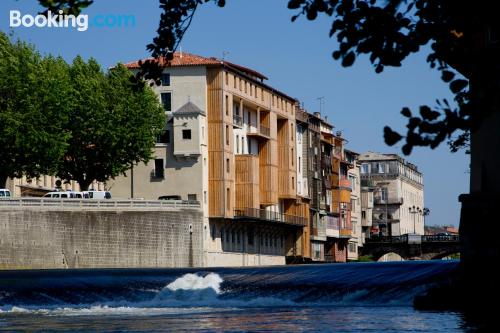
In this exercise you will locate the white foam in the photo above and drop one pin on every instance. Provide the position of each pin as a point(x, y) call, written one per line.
point(196, 282)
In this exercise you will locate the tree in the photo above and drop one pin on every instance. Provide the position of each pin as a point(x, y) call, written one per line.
point(32, 111)
point(388, 31)
point(112, 124)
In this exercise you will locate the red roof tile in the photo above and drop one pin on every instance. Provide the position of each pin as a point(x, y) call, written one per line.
point(188, 59)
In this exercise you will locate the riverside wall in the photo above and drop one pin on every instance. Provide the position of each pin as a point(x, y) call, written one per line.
point(47, 238)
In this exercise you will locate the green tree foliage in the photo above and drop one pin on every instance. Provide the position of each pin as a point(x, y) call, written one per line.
point(33, 109)
point(73, 121)
point(462, 35)
point(112, 123)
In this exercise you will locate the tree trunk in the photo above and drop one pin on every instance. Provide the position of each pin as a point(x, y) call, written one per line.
point(3, 180)
point(84, 184)
point(480, 246)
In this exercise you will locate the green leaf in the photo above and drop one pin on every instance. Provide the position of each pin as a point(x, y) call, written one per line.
point(458, 85)
point(348, 59)
point(391, 137)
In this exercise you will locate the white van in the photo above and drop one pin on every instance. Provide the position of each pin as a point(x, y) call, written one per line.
point(97, 194)
point(65, 195)
point(4, 193)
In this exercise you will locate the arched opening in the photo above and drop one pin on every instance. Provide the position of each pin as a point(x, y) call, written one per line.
point(391, 256)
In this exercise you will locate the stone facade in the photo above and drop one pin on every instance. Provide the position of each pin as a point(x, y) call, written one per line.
point(50, 239)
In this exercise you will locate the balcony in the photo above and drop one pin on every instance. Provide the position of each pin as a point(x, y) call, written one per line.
point(345, 183)
point(256, 214)
point(237, 120)
point(262, 131)
point(157, 174)
point(345, 232)
point(388, 201)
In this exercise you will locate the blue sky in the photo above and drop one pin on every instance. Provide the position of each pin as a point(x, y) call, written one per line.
point(297, 59)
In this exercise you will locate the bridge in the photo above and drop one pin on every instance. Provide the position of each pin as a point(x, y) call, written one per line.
point(412, 246)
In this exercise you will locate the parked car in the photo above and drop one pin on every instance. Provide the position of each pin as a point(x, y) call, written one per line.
point(4, 193)
point(65, 194)
point(97, 194)
point(170, 197)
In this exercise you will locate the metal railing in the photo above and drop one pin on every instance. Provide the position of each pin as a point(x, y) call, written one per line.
point(157, 174)
point(265, 215)
point(91, 204)
point(389, 201)
point(404, 239)
point(440, 238)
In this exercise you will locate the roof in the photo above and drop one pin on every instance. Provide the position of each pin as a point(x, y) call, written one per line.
point(188, 59)
point(371, 156)
point(189, 109)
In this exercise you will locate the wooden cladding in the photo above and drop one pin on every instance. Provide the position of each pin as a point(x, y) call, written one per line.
point(286, 176)
point(268, 173)
point(247, 182)
point(220, 183)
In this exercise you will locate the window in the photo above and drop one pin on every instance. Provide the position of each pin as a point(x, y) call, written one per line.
point(227, 105)
point(159, 171)
point(381, 167)
point(227, 165)
point(299, 164)
point(227, 78)
point(293, 183)
point(250, 237)
point(353, 205)
point(365, 168)
point(186, 134)
point(227, 135)
point(205, 196)
point(222, 235)
point(363, 214)
point(191, 197)
point(292, 157)
point(352, 180)
point(384, 194)
point(213, 231)
point(164, 137)
point(165, 79)
point(242, 144)
point(352, 247)
point(291, 132)
point(228, 199)
point(166, 101)
point(237, 144)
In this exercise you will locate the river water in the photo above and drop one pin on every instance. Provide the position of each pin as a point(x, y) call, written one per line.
point(354, 297)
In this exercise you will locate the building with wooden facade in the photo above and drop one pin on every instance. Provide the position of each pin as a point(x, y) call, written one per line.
point(230, 143)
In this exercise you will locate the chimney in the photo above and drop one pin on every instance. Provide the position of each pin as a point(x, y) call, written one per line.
point(317, 114)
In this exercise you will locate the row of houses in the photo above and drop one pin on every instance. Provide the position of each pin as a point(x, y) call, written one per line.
point(275, 182)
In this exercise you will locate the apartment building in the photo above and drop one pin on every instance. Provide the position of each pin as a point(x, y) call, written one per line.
point(398, 194)
point(230, 143)
point(357, 237)
point(318, 174)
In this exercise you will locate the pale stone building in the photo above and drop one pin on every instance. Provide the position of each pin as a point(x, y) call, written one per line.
point(357, 237)
point(398, 193)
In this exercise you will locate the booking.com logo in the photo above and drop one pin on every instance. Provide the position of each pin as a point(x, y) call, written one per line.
point(61, 20)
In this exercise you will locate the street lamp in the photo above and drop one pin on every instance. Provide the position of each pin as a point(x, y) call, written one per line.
point(415, 210)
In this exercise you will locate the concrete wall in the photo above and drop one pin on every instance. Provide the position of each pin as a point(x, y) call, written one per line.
point(31, 239)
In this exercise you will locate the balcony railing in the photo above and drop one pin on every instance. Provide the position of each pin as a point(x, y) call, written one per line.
point(389, 201)
point(265, 130)
point(265, 215)
point(157, 174)
point(237, 120)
